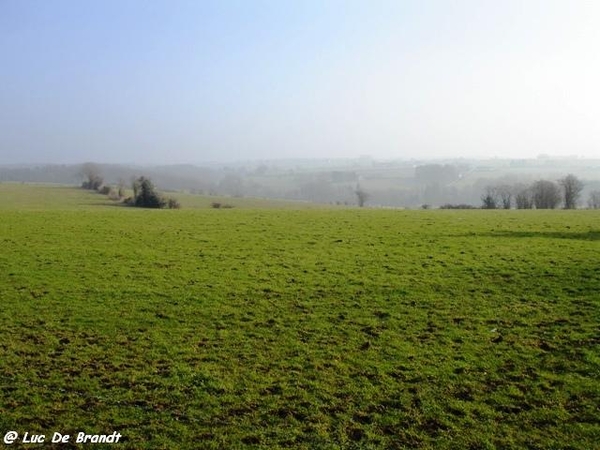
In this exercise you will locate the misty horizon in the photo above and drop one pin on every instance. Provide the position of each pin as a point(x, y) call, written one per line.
point(221, 82)
point(322, 162)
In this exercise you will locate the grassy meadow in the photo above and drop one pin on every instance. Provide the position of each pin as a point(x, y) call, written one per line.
point(278, 325)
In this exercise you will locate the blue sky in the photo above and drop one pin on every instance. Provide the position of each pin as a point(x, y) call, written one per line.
point(195, 81)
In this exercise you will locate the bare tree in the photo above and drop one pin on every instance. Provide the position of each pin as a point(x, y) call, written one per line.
point(361, 196)
point(594, 200)
point(490, 198)
point(91, 173)
point(121, 188)
point(136, 186)
point(572, 187)
point(546, 194)
point(506, 195)
point(523, 197)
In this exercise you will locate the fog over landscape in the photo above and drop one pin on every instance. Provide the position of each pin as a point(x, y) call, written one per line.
point(301, 224)
point(159, 83)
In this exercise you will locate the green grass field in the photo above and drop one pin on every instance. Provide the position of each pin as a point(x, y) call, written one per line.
point(279, 326)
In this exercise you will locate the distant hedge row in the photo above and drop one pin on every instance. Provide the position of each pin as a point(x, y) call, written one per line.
point(542, 194)
point(145, 194)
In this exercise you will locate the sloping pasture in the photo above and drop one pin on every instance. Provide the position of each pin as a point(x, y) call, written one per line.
point(301, 328)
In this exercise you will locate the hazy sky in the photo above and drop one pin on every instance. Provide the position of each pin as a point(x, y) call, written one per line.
point(192, 81)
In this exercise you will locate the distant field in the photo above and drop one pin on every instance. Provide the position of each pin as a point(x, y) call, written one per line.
point(282, 326)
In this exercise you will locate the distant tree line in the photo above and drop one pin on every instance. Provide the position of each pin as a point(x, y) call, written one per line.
point(435, 185)
point(542, 194)
point(145, 194)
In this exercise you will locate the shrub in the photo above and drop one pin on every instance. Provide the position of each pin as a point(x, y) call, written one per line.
point(173, 203)
point(459, 206)
point(92, 173)
point(218, 205)
point(146, 196)
point(113, 195)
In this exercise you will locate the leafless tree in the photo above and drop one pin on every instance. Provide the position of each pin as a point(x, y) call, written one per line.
point(506, 195)
point(523, 197)
point(490, 198)
point(91, 174)
point(572, 187)
point(121, 188)
point(594, 200)
point(546, 194)
point(361, 196)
